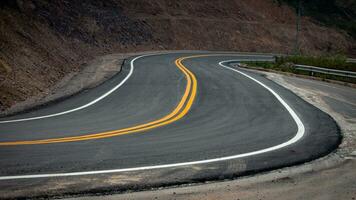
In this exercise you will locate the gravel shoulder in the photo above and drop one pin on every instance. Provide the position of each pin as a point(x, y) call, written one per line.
point(332, 183)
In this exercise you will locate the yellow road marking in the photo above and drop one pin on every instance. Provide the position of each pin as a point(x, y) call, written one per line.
point(191, 88)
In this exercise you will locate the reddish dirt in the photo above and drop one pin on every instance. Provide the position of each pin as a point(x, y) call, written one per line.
point(43, 42)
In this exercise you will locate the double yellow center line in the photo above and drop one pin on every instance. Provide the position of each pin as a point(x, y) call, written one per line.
point(180, 111)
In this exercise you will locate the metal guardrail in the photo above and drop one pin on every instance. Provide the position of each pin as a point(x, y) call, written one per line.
point(312, 69)
point(351, 60)
point(335, 72)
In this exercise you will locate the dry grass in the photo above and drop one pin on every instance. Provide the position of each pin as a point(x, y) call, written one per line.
point(4, 68)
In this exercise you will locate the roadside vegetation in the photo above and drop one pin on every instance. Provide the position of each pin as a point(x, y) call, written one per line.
point(338, 62)
point(286, 64)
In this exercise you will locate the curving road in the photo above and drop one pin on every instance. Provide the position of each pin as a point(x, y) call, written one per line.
point(164, 111)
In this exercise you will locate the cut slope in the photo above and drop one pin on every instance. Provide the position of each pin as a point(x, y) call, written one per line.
point(43, 42)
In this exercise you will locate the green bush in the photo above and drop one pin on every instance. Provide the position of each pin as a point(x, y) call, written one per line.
point(333, 62)
point(286, 64)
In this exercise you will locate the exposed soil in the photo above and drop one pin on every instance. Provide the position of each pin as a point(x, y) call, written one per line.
point(42, 43)
point(94, 73)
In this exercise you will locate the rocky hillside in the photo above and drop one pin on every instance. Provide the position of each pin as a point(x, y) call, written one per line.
point(43, 41)
point(339, 14)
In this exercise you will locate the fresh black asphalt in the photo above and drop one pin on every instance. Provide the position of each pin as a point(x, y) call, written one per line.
point(231, 115)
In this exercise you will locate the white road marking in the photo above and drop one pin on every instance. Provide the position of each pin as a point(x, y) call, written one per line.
point(98, 99)
point(298, 136)
point(83, 106)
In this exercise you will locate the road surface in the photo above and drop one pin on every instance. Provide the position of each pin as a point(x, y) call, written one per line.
point(166, 111)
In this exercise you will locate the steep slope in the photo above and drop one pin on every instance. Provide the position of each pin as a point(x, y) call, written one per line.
point(333, 13)
point(42, 42)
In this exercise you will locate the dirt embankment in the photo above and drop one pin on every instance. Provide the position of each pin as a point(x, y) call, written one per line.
point(42, 43)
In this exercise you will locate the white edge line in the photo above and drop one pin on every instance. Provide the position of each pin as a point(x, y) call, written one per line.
point(298, 136)
point(86, 105)
point(96, 100)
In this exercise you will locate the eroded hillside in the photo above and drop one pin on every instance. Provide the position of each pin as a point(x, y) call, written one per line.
point(43, 41)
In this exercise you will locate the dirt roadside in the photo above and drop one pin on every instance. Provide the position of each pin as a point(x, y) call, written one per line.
point(330, 177)
point(93, 74)
point(334, 183)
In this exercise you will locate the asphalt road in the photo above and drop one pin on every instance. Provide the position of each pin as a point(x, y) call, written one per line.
point(230, 114)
